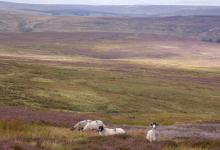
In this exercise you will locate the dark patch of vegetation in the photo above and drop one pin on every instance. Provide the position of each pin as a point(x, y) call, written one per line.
point(211, 40)
point(23, 26)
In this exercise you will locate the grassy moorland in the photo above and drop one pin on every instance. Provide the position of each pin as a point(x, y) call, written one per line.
point(124, 71)
point(204, 28)
point(85, 89)
point(95, 90)
point(125, 74)
point(23, 135)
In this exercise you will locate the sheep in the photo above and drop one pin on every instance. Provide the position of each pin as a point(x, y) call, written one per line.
point(93, 125)
point(80, 125)
point(107, 132)
point(153, 134)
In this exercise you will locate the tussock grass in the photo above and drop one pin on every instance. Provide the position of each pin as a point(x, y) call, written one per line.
point(194, 144)
point(38, 135)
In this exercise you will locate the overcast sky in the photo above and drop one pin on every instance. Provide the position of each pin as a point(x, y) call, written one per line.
point(122, 2)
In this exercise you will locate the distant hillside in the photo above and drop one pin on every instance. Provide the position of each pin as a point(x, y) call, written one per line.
point(200, 22)
point(205, 28)
point(132, 11)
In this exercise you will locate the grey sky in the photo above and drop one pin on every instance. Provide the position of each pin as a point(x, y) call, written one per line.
point(122, 2)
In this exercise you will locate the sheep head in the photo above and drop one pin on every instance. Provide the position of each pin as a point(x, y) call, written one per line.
point(101, 128)
point(154, 125)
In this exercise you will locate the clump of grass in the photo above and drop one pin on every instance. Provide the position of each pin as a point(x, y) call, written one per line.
point(41, 136)
point(12, 125)
point(16, 147)
point(184, 148)
point(194, 144)
point(55, 146)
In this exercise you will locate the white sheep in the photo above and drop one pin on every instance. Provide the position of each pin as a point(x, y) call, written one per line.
point(80, 125)
point(107, 132)
point(153, 134)
point(93, 125)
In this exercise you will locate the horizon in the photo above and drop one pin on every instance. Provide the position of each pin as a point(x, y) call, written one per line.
point(114, 3)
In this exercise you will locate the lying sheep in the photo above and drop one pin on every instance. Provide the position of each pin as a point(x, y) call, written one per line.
point(153, 134)
point(93, 125)
point(107, 132)
point(80, 125)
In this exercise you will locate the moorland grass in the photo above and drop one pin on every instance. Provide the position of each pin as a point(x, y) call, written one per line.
point(59, 138)
point(137, 94)
point(38, 135)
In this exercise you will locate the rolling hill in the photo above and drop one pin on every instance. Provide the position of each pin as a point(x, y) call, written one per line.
point(197, 27)
point(129, 11)
point(161, 48)
point(125, 65)
point(197, 22)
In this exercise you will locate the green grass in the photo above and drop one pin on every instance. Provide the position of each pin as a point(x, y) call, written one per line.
point(105, 91)
point(40, 136)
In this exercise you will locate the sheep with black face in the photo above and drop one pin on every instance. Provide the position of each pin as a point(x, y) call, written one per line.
point(153, 134)
point(107, 131)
